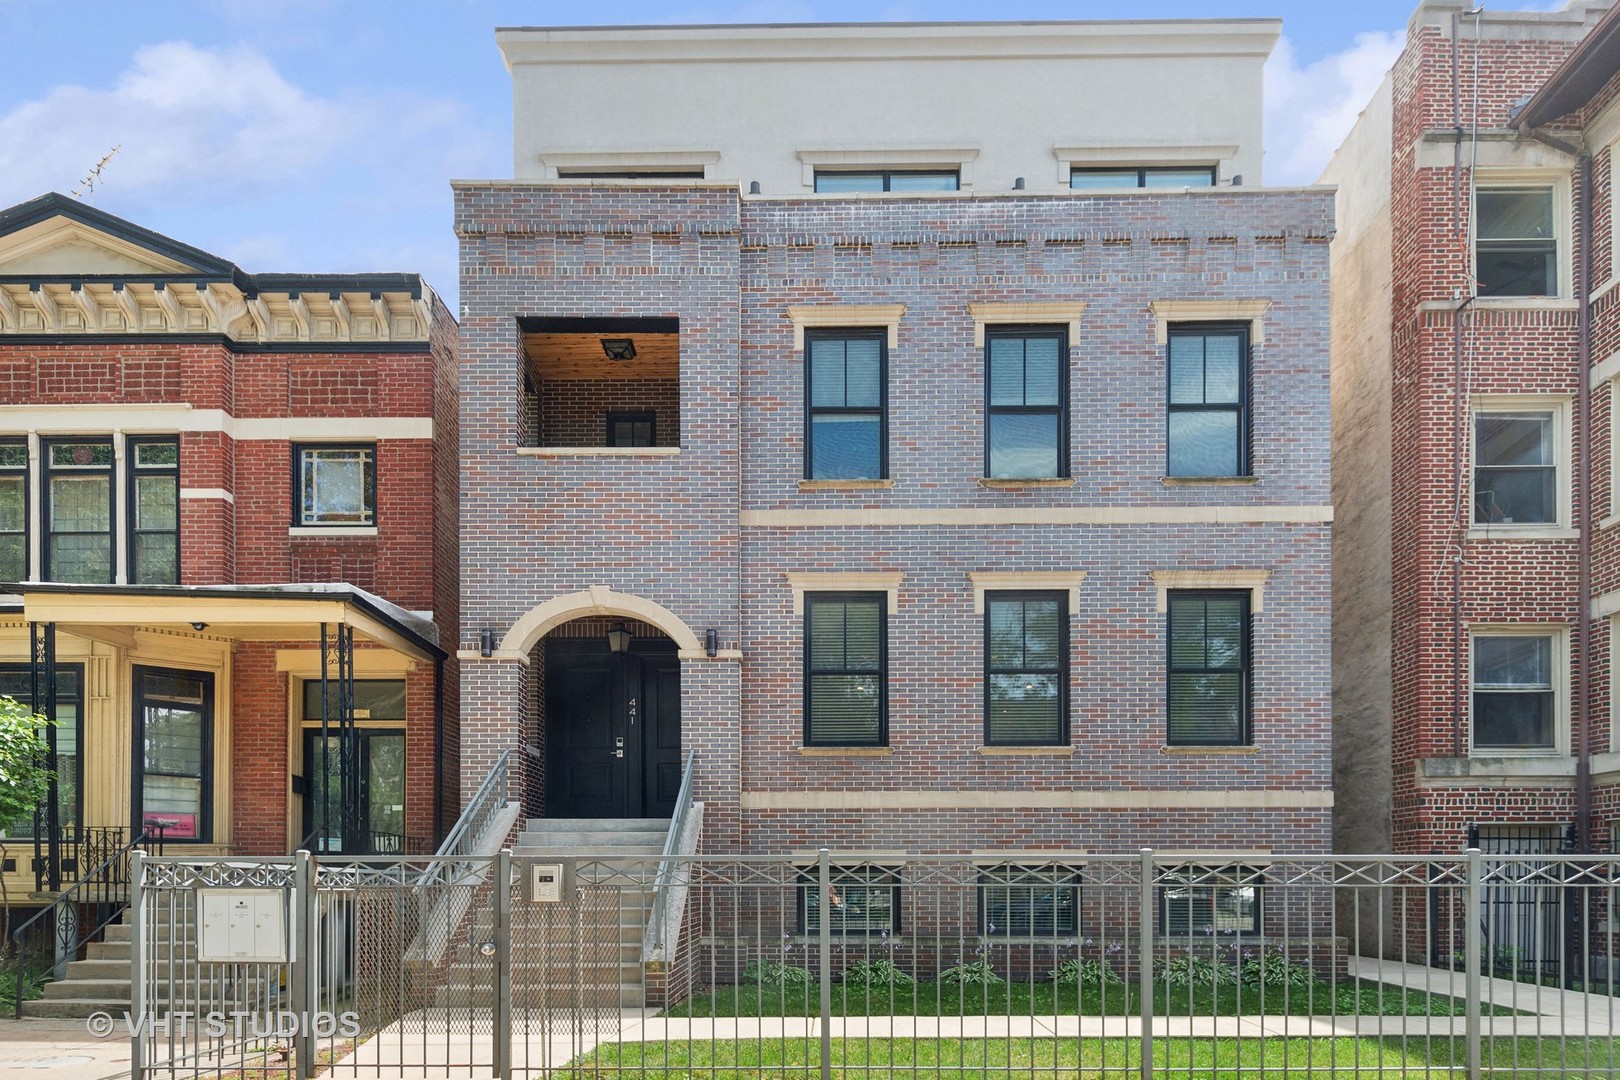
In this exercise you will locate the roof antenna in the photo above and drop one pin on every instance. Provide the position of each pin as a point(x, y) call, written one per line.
point(87, 186)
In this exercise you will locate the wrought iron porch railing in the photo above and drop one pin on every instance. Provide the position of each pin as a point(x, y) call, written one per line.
point(82, 910)
point(76, 848)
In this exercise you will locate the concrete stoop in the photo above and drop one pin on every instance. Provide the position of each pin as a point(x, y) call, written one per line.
point(587, 956)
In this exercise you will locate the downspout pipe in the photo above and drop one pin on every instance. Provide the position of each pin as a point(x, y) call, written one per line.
point(1582, 733)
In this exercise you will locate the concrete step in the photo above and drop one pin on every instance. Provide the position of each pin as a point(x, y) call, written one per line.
point(537, 996)
point(617, 855)
point(78, 1009)
point(100, 988)
point(561, 954)
point(564, 837)
point(658, 825)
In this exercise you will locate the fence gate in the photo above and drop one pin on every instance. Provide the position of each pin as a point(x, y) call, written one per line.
point(1525, 905)
point(282, 967)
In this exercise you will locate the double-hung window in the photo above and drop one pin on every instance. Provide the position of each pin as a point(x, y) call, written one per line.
point(1210, 668)
point(1027, 436)
point(154, 511)
point(1028, 901)
point(13, 509)
point(1208, 411)
point(1516, 467)
point(1515, 692)
point(845, 680)
point(845, 377)
point(1025, 668)
point(337, 485)
point(1203, 901)
point(78, 510)
point(1515, 241)
point(863, 900)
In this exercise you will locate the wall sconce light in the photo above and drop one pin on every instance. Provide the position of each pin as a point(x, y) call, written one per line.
point(199, 626)
point(711, 642)
point(753, 187)
point(1018, 183)
point(486, 643)
point(619, 348)
point(618, 638)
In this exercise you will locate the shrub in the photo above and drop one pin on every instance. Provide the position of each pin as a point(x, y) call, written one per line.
point(1194, 971)
point(1085, 973)
point(1273, 969)
point(978, 973)
point(772, 973)
point(876, 973)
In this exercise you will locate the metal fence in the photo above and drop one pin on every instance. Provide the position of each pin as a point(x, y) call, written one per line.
point(868, 965)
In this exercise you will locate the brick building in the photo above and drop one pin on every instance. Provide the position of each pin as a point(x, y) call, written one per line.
point(953, 491)
point(220, 493)
point(1474, 351)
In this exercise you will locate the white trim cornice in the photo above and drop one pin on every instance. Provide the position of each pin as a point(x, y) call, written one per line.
point(1068, 581)
point(837, 581)
point(845, 315)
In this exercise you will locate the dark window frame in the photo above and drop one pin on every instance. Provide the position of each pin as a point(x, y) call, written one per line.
point(1245, 735)
point(132, 472)
point(887, 176)
point(1055, 876)
point(47, 471)
point(632, 416)
point(77, 822)
point(312, 686)
point(866, 876)
point(1201, 877)
point(26, 474)
point(1061, 409)
point(369, 496)
point(811, 411)
point(1142, 173)
point(992, 597)
point(205, 815)
point(1243, 407)
point(882, 672)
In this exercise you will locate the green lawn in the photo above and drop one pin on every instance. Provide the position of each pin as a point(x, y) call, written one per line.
point(961, 1059)
point(1362, 997)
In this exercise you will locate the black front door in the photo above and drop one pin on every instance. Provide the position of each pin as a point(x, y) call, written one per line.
point(613, 729)
point(380, 818)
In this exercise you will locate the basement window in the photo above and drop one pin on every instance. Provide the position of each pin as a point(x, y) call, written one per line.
point(601, 384)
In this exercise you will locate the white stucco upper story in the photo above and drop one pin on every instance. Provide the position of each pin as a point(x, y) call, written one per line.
point(991, 102)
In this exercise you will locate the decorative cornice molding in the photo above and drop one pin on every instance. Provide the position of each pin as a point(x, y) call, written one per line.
point(123, 307)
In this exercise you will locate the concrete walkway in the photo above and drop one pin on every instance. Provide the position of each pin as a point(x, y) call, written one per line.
point(1558, 1012)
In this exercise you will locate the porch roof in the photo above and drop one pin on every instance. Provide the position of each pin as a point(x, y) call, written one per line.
point(242, 612)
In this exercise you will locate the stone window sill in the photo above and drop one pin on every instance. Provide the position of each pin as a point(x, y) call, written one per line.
point(1027, 482)
point(1208, 481)
point(331, 532)
point(598, 451)
point(845, 485)
point(1026, 751)
point(845, 751)
point(1522, 532)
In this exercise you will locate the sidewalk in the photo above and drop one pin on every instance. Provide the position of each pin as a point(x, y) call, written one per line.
point(38, 1049)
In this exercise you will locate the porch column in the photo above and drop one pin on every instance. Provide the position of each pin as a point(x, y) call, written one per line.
point(42, 685)
point(494, 696)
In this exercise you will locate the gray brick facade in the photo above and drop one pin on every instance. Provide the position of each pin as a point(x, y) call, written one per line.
point(711, 534)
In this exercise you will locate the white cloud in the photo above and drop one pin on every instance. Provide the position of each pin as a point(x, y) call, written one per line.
point(1310, 110)
point(181, 115)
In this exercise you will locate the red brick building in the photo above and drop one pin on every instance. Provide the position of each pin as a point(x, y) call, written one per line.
point(228, 519)
point(1477, 570)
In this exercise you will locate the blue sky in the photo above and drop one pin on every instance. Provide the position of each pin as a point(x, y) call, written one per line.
point(310, 136)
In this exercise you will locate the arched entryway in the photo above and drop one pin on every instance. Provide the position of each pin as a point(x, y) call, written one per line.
point(607, 695)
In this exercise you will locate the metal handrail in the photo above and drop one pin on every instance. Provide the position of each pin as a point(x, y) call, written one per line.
point(491, 795)
point(666, 867)
point(68, 931)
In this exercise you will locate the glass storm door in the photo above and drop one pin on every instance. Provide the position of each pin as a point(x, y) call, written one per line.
point(380, 817)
